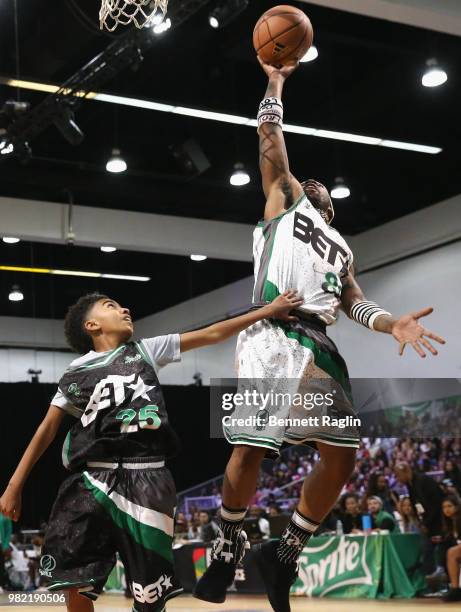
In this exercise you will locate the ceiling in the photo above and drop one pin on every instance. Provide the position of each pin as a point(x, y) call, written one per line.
point(366, 81)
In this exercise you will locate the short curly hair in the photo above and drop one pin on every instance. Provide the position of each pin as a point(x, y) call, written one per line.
point(76, 336)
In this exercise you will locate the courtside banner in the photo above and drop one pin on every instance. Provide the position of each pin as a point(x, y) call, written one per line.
point(269, 412)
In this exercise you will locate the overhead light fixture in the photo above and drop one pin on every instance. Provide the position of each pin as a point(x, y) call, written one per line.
point(340, 190)
point(198, 257)
point(16, 295)
point(6, 147)
point(225, 12)
point(213, 21)
point(10, 239)
point(75, 273)
point(434, 75)
point(311, 55)
point(163, 26)
point(226, 117)
point(156, 20)
point(108, 249)
point(240, 176)
point(116, 163)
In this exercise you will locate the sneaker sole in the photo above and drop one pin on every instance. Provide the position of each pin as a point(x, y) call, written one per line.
point(202, 597)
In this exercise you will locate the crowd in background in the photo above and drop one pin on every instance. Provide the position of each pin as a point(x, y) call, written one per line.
point(398, 486)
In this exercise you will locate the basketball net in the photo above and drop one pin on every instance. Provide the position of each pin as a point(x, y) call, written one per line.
point(142, 13)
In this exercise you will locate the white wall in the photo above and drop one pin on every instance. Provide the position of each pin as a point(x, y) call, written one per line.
point(14, 364)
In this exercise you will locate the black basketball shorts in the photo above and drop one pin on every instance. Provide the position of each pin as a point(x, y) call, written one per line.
point(111, 507)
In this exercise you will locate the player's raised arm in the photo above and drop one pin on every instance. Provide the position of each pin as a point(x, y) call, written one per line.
point(406, 329)
point(10, 502)
point(280, 309)
point(280, 187)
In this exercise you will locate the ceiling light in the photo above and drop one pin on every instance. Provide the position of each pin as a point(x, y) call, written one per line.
point(6, 148)
point(10, 239)
point(198, 257)
point(434, 75)
point(116, 164)
point(311, 55)
point(212, 20)
point(340, 190)
point(156, 19)
point(225, 12)
point(108, 249)
point(16, 295)
point(239, 177)
point(224, 117)
point(163, 26)
point(75, 273)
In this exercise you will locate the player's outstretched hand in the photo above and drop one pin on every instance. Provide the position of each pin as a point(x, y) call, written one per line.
point(407, 330)
point(10, 503)
point(281, 307)
point(283, 71)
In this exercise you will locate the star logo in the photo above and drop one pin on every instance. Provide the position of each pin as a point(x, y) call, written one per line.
point(167, 582)
point(140, 389)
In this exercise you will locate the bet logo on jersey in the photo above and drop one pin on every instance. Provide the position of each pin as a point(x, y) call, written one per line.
point(112, 392)
point(326, 248)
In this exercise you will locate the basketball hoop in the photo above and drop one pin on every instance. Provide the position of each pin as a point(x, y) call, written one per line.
point(142, 13)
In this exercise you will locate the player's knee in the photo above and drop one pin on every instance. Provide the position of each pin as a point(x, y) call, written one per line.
point(247, 456)
point(340, 462)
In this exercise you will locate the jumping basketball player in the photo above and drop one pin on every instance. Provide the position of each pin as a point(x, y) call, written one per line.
point(295, 246)
point(121, 497)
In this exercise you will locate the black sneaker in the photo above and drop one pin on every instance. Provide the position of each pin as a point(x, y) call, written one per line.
point(452, 595)
point(220, 574)
point(277, 577)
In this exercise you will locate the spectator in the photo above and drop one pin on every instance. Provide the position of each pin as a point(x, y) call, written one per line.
point(351, 516)
point(380, 518)
point(426, 497)
point(208, 529)
point(264, 527)
point(377, 486)
point(451, 544)
point(453, 473)
point(274, 510)
point(406, 516)
point(180, 525)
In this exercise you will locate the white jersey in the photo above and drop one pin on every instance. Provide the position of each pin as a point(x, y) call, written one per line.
point(298, 250)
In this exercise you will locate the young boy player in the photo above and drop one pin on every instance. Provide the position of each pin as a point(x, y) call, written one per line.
point(121, 497)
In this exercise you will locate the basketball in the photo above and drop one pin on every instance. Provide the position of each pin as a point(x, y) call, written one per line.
point(282, 33)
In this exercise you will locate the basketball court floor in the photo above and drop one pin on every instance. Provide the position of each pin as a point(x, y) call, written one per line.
point(236, 603)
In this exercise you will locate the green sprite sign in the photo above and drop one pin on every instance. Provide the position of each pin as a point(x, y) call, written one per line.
point(341, 567)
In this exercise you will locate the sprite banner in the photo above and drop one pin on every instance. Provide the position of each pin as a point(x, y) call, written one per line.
point(360, 566)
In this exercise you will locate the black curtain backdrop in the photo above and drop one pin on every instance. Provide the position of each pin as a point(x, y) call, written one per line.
point(23, 406)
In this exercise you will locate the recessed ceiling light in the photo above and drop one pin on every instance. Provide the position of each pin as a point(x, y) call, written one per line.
point(116, 163)
point(340, 190)
point(16, 295)
point(108, 249)
point(10, 239)
point(311, 55)
point(434, 75)
point(240, 176)
point(198, 257)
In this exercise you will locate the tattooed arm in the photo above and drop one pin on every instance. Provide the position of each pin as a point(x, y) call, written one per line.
point(280, 186)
